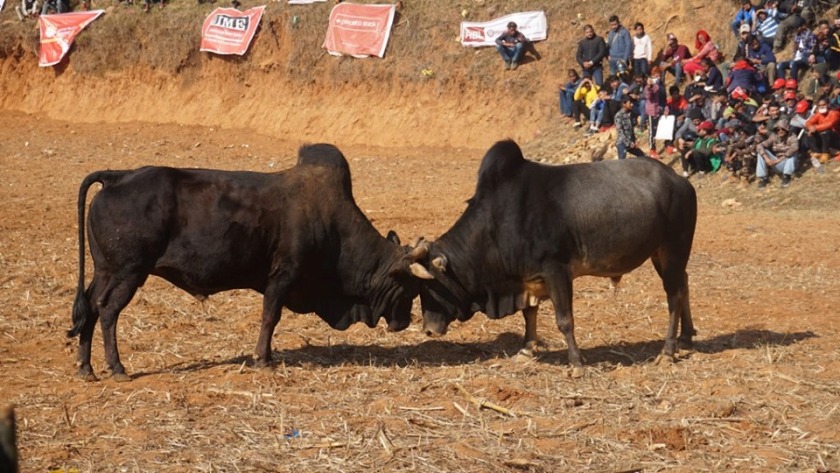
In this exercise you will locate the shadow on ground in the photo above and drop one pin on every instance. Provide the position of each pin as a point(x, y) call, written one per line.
point(443, 353)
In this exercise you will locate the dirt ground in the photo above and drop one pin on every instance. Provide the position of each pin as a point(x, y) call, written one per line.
point(758, 393)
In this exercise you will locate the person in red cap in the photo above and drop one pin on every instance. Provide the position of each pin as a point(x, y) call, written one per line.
point(743, 75)
point(705, 156)
point(779, 84)
point(823, 130)
point(791, 84)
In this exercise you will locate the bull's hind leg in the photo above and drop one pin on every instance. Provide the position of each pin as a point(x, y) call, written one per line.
point(675, 283)
point(86, 332)
point(114, 299)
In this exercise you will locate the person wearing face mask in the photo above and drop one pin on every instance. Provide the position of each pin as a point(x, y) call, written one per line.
point(823, 131)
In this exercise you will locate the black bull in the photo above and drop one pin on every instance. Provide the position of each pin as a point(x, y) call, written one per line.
point(295, 236)
point(531, 229)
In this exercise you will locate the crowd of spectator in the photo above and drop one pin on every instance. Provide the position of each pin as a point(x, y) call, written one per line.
point(751, 116)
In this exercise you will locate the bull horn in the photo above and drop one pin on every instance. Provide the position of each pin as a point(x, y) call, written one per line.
point(440, 263)
point(419, 252)
point(420, 271)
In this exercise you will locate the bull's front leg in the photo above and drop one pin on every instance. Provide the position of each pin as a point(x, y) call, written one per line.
point(560, 290)
point(273, 301)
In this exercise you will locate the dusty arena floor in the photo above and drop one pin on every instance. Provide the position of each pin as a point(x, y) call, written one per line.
point(758, 393)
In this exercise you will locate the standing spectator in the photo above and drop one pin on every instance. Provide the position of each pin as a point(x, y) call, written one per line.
point(510, 45)
point(777, 153)
point(652, 110)
point(625, 136)
point(590, 55)
point(567, 93)
point(823, 130)
point(585, 96)
point(767, 23)
point(761, 56)
point(805, 42)
point(705, 48)
point(619, 45)
point(671, 57)
point(745, 16)
point(643, 50)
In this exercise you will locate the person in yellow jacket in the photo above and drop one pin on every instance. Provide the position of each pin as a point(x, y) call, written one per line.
point(585, 95)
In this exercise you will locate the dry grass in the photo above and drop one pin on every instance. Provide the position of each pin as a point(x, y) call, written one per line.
point(758, 392)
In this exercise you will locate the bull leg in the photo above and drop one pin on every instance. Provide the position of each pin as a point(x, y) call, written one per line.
point(273, 301)
point(531, 342)
point(115, 298)
point(86, 333)
point(686, 324)
point(675, 283)
point(560, 291)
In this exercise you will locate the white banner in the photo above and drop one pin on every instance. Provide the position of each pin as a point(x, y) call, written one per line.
point(532, 24)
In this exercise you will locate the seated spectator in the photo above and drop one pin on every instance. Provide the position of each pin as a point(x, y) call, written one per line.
point(743, 75)
point(585, 95)
point(676, 104)
point(805, 42)
point(636, 92)
point(777, 153)
point(739, 157)
point(642, 50)
point(767, 23)
point(714, 78)
point(596, 111)
point(616, 89)
point(745, 16)
point(789, 104)
point(769, 114)
point(705, 48)
point(761, 56)
point(798, 13)
point(510, 45)
point(705, 155)
point(823, 131)
point(55, 6)
point(832, 56)
point(821, 49)
point(671, 57)
point(687, 132)
point(567, 92)
point(27, 9)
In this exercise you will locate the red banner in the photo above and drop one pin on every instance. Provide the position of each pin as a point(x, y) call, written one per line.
point(59, 31)
point(230, 31)
point(359, 30)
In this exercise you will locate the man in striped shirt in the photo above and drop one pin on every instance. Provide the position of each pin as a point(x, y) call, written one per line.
point(767, 22)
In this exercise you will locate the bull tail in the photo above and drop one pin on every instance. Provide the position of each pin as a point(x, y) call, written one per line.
point(81, 305)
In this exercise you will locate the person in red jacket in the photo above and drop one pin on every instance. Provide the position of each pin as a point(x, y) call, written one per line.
point(823, 130)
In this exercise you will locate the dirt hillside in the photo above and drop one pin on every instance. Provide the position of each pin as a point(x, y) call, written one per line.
point(130, 66)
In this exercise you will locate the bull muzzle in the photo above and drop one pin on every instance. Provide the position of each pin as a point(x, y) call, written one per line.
point(434, 326)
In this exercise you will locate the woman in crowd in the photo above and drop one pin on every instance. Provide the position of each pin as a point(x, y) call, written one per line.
point(705, 48)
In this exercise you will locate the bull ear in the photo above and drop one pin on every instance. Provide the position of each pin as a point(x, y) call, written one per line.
point(393, 237)
point(420, 271)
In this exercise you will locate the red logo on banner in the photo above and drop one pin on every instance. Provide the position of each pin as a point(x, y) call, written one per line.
point(359, 30)
point(230, 31)
point(58, 33)
point(474, 34)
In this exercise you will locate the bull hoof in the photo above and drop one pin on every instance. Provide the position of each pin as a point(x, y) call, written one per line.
point(121, 377)
point(685, 343)
point(263, 364)
point(577, 372)
point(87, 375)
point(664, 359)
point(525, 355)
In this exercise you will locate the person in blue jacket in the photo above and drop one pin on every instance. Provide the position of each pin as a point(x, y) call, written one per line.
point(620, 46)
point(745, 16)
